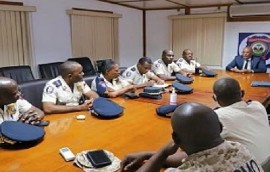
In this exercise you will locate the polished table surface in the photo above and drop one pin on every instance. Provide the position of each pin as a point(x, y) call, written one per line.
point(139, 128)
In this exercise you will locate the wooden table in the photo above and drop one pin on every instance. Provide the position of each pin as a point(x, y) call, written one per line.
point(139, 128)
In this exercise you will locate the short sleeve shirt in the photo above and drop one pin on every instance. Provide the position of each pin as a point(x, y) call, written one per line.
point(132, 75)
point(58, 92)
point(159, 67)
point(116, 84)
point(12, 111)
point(183, 64)
point(228, 156)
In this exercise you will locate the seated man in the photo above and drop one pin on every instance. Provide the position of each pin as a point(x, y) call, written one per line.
point(187, 63)
point(196, 130)
point(14, 107)
point(247, 63)
point(63, 93)
point(109, 83)
point(140, 75)
point(165, 66)
point(244, 122)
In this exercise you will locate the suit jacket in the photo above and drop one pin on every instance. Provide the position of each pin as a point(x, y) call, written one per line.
point(257, 64)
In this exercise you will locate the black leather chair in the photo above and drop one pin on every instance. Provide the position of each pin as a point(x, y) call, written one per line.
point(88, 68)
point(32, 91)
point(18, 73)
point(89, 79)
point(49, 70)
point(100, 63)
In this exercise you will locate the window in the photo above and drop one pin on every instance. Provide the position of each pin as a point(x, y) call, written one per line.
point(94, 34)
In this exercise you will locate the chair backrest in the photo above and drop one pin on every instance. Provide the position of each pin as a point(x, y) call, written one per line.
point(88, 68)
point(49, 70)
point(100, 63)
point(18, 73)
point(266, 165)
point(89, 79)
point(32, 91)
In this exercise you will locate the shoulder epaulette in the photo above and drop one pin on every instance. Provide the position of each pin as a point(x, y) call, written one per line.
point(57, 83)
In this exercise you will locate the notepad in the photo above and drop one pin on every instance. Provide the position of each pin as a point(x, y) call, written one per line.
point(260, 84)
point(161, 86)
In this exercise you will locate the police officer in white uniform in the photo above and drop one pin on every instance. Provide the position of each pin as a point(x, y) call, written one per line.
point(165, 66)
point(140, 75)
point(13, 107)
point(62, 94)
point(187, 63)
point(109, 83)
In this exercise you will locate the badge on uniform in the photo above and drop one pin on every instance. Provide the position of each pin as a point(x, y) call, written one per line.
point(105, 108)
point(15, 132)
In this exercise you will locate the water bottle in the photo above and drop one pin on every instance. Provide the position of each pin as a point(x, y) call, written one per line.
point(173, 97)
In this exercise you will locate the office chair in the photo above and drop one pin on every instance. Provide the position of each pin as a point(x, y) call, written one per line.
point(19, 73)
point(88, 68)
point(32, 91)
point(49, 70)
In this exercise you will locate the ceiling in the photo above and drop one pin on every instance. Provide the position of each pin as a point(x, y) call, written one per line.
point(178, 4)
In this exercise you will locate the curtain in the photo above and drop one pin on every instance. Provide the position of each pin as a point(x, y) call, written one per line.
point(15, 40)
point(94, 34)
point(203, 34)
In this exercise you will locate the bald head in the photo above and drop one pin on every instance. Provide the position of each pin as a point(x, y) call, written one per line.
point(227, 91)
point(8, 90)
point(247, 52)
point(68, 67)
point(195, 127)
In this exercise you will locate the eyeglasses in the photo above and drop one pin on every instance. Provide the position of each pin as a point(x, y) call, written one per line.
point(170, 55)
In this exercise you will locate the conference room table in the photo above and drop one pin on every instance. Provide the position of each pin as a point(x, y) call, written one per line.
point(138, 128)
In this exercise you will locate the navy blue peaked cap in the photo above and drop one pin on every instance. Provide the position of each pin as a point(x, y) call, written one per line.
point(21, 132)
point(151, 90)
point(166, 110)
point(208, 73)
point(150, 96)
point(105, 108)
point(183, 79)
point(181, 88)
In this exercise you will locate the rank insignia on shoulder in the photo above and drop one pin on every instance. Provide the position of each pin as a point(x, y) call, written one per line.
point(57, 83)
point(133, 69)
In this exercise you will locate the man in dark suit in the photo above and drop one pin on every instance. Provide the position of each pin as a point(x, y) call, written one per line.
point(247, 63)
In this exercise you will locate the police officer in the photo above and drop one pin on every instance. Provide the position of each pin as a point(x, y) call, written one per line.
point(63, 93)
point(165, 66)
point(13, 107)
point(140, 75)
point(187, 63)
point(196, 130)
point(109, 83)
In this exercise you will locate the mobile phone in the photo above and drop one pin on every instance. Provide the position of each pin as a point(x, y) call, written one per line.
point(66, 154)
point(98, 158)
point(43, 123)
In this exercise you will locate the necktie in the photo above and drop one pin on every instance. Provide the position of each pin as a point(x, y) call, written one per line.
point(246, 65)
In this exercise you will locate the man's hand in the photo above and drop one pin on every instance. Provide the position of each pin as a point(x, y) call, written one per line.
point(86, 105)
point(160, 82)
point(149, 83)
point(30, 117)
point(134, 161)
point(235, 70)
